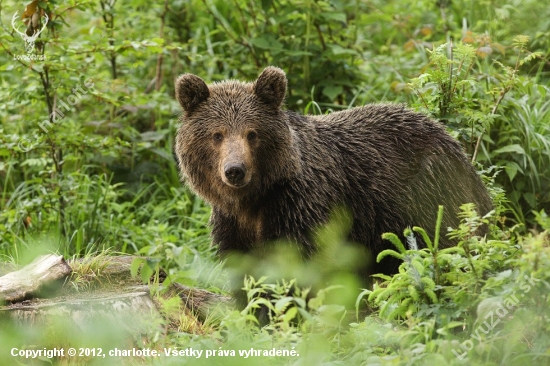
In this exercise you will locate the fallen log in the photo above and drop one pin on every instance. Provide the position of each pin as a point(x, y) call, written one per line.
point(100, 290)
point(129, 313)
point(202, 303)
point(43, 271)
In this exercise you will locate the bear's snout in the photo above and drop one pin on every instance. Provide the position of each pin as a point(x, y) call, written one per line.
point(235, 174)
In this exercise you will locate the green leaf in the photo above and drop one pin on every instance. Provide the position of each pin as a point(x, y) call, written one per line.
point(512, 168)
point(159, 41)
point(438, 227)
point(425, 237)
point(387, 252)
point(290, 314)
point(146, 272)
point(281, 304)
point(332, 91)
point(163, 154)
point(454, 324)
point(515, 148)
point(266, 42)
point(531, 199)
point(338, 50)
point(266, 5)
point(339, 17)
point(153, 135)
point(394, 239)
point(136, 263)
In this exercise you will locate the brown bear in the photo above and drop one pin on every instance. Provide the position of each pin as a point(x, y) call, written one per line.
point(270, 173)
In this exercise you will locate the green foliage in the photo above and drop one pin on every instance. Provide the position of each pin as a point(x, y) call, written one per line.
point(319, 45)
point(503, 121)
point(501, 277)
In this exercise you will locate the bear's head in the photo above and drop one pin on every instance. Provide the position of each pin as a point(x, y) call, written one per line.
point(235, 142)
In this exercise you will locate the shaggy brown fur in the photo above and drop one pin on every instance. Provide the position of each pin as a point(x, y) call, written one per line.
point(271, 174)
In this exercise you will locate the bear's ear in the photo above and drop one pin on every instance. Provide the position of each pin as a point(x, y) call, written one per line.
point(190, 91)
point(271, 86)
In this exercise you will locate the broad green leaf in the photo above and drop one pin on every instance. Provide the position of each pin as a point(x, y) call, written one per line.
point(512, 169)
point(332, 91)
point(515, 148)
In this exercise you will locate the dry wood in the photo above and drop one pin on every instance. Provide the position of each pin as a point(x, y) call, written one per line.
point(43, 271)
point(100, 291)
point(131, 312)
point(201, 302)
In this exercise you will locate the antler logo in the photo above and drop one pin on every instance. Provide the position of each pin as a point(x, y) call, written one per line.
point(30, 39)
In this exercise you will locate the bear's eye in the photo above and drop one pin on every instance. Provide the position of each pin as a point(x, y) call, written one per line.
point(217, 136)
point(252, 135)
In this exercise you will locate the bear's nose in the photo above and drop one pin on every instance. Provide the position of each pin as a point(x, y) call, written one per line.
point(234, 173)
